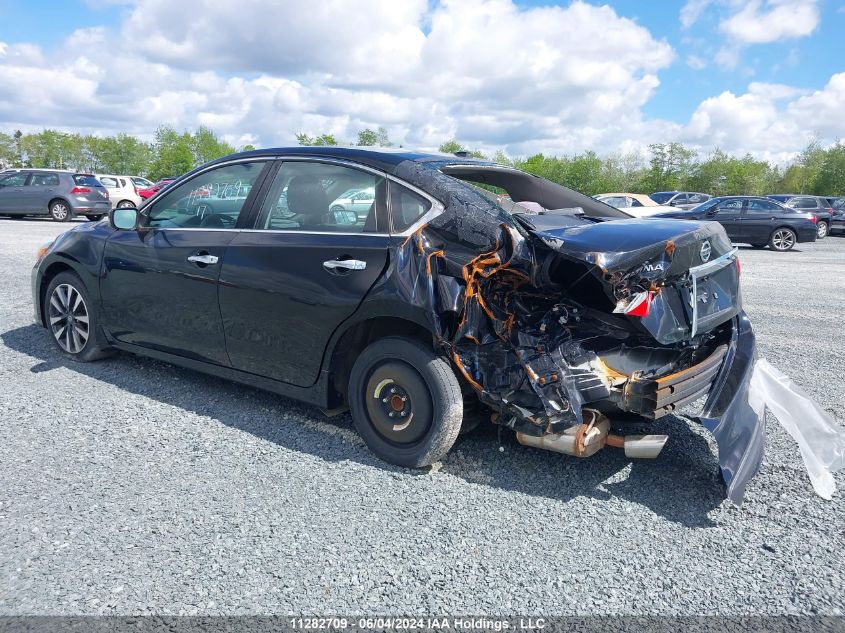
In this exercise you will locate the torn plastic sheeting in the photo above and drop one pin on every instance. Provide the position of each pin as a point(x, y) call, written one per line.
point(820, 438)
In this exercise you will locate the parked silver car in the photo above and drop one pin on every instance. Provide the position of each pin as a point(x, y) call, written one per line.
point(358, 200)
point(123, 192)
point(59, 194)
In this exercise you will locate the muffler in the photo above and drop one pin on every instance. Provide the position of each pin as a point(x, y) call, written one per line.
point(591, 436)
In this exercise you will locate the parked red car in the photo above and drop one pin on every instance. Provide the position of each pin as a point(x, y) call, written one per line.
point(149, 192)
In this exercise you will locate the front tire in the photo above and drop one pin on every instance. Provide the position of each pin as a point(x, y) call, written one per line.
point(406, 402)
point(72, 319)
point(822, 230)
point(783, 239)
point(60, 211)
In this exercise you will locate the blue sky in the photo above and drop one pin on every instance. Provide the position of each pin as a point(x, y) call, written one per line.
point(673, 70)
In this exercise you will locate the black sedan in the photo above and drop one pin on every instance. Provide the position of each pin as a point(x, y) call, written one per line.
point(754, 220)
point(545, 308)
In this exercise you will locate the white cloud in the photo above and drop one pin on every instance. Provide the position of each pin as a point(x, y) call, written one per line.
point(692, 10)
point(771, 121)
point(761, 22)
point(485, 71)
point(490, 73)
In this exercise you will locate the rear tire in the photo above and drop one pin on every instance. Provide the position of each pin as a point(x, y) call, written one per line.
point(406, 402)
point(822, 230)
point(72, 320)
point(60, 211)
point(783, 239)
point(125, 204)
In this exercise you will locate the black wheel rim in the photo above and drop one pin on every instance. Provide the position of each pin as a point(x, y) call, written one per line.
point(69, 319)
point(398, 403)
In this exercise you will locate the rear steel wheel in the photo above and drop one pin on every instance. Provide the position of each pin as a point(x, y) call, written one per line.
point(821, 230)
point(406, 402)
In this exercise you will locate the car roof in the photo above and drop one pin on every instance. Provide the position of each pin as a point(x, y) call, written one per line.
point(383, 158)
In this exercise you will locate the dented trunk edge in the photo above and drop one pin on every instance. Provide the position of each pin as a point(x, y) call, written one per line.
point(738, 430)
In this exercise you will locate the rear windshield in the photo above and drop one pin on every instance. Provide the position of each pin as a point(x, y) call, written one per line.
point(661, 198)
point(86, 179)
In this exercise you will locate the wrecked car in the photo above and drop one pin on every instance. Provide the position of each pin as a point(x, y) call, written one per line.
point(466, 291)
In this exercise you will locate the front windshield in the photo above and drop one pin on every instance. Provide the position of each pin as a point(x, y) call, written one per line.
point(662, 197)
point(705, 205)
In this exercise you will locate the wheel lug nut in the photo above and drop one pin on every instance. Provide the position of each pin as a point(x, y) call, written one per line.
point(384, 399)
point(404, 398)
point(404, 413)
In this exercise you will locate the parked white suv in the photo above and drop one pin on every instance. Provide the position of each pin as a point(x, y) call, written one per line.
point(122, 191)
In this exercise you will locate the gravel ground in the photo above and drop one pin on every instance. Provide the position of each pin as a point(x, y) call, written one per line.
point(130, 486)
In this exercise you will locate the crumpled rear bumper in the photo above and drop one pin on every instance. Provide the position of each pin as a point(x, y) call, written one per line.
point(739, 432)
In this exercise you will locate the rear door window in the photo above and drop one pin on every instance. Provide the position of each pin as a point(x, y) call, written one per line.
point(762, 207)
point(310, 196)
point(803, 203)
point(108, 181)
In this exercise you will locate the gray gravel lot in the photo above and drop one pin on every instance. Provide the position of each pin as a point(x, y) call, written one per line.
point(132, 486)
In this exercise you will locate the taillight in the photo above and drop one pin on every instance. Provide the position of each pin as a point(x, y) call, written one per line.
point(813, 219)
point(639, 306)
point(80, 190)
point(136, 190)
point(738, 267)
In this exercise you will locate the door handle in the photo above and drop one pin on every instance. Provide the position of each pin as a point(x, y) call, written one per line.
point(346, 264)
point(203, 259)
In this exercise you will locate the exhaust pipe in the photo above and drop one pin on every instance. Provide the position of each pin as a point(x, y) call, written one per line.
point(591, 436)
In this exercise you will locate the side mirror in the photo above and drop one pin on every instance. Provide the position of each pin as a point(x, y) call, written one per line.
point(712, 212)
point(124, 219)
point(675, 203)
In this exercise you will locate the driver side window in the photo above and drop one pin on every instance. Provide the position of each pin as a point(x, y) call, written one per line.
point(213, 199)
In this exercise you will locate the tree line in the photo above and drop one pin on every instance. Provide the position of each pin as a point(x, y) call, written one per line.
point(665, 166)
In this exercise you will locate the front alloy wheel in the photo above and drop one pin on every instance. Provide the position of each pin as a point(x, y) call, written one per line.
point(69, 319)
point(125, 204)
point(821, 230)
point(782, 240)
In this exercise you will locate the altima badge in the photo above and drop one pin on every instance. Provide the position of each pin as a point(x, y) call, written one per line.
point(705, 251)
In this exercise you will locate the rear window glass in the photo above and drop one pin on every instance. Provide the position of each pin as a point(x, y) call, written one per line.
point(86, 179)
point(406, 207)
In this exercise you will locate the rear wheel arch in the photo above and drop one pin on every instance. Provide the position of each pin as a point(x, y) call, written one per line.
point(57, 199)
point(356, 338)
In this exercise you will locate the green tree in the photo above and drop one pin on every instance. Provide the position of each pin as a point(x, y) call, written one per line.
point(324, 139)
point(829, 180)
point(173, 153)
point(205, 146)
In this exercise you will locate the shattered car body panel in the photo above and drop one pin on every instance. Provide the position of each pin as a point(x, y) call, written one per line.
point(532, 309)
